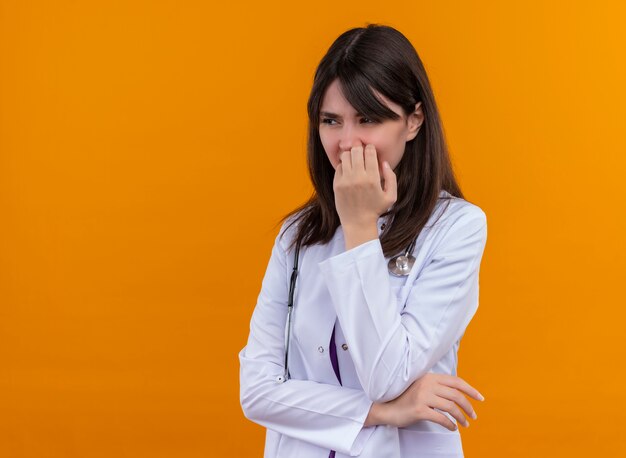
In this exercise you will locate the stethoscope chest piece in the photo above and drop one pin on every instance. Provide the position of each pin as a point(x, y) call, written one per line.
point(401, 265)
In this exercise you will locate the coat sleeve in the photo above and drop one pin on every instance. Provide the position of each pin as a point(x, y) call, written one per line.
point(325, 415)
point(392, 349)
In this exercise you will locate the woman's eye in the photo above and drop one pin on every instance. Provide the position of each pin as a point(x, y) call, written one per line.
point(330, 121)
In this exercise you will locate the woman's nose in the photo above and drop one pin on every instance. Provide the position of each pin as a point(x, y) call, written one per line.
point(349, 140)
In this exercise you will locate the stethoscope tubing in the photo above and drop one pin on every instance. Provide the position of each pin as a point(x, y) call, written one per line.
point(292, 286)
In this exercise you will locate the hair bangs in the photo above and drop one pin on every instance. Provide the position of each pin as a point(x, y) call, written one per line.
point(358, 91)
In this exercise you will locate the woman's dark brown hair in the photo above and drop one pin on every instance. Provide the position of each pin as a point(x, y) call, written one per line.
point(381, 58)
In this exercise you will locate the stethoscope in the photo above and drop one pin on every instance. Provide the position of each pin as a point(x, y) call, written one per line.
point(399, 265)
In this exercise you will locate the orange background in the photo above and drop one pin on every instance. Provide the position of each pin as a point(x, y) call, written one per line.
point(147, 148)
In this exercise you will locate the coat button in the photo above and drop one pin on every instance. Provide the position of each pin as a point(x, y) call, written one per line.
point(344, 346)
point(320, 349)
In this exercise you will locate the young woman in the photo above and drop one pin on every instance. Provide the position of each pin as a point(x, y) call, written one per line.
point(360, 358)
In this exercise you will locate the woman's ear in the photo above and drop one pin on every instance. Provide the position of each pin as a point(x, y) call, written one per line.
point(415, 121)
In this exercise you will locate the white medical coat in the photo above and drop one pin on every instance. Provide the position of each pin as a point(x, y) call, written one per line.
point(390, 331)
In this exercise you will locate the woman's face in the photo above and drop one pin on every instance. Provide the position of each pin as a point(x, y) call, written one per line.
point(342, 128)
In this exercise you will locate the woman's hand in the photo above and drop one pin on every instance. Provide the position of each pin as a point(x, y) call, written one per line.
point(359, 196)
point(440, 391)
